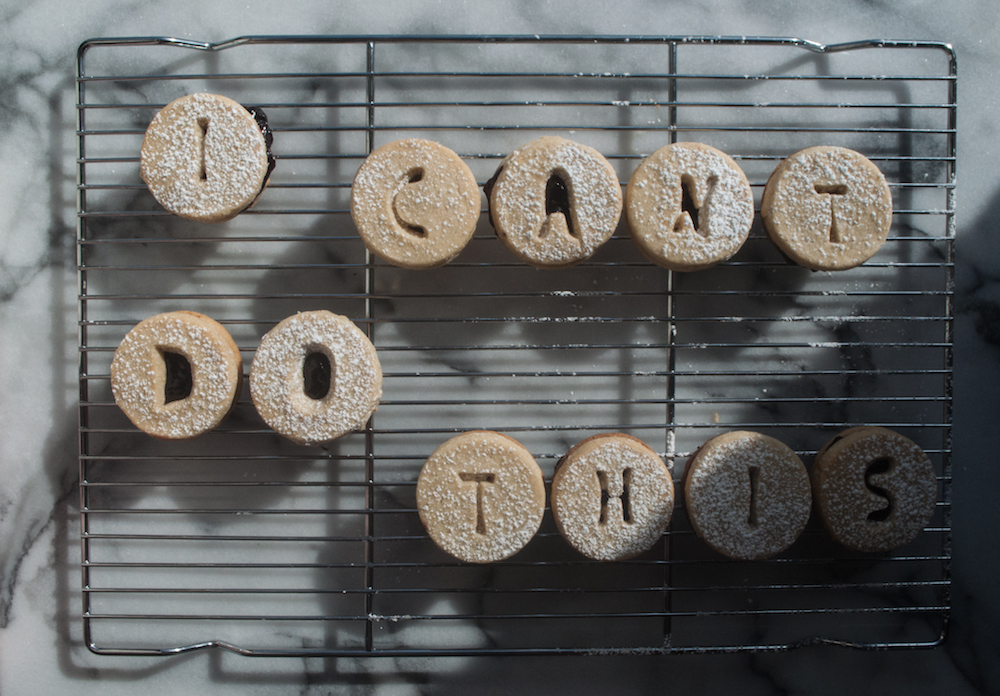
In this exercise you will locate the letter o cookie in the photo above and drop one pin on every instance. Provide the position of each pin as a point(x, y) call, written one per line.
point(719, 197)
point(828, 208)
point(875, 489)
point(278, 383)
point(141, 379)
point(481, 496)
point(612, 497)
point(415, 203)
point(553, 202)
point(747, 494)
point(204, 158)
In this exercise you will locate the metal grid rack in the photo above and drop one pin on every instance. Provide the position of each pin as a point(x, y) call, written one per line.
point(244, 541)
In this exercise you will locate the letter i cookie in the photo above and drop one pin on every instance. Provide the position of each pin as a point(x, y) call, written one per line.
point(206, 157)
point(748, 495)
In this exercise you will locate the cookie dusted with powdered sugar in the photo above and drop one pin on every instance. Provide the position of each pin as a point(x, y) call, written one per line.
point(875, 489)
point(553, 202)
point(689, 207)
point(206, 157)
point(747, 495)
point(310, 349)
point(415, 203)
point(828, 208)
point(612, 497)
point(481, 496)
point(176, 375)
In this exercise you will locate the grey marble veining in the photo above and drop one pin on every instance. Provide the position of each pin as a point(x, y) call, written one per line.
point(41, 649)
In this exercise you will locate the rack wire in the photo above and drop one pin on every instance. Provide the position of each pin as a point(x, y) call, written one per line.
point(243, 541)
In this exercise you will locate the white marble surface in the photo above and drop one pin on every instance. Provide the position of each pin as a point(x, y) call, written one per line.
point(41, 650)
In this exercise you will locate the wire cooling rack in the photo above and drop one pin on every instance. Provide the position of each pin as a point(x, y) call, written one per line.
point(244, 541)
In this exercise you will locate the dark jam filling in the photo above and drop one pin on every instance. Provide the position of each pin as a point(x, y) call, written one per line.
point(556, 198)
point(265, 129)
point(488, 189)
point(178, 382)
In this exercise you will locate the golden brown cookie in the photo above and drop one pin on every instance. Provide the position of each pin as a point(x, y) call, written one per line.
point(343, 387)
point(689, 207)
point(481, 496)
point(205, 157)
point(828, 208)
point(176, 375)
point(874, 489)
point(415, 203)
point(553, 202)
point(747, 495)
point(612, 497)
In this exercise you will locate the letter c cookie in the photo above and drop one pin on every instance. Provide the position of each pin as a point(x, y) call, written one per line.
point(415, 203)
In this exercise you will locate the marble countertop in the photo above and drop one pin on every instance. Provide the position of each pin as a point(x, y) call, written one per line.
point(42, 649)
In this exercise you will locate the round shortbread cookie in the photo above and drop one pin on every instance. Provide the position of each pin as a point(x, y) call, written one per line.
point(828, 208)
point(481, 496)
point(747, 495)
point(678, 186)
point(176, 375)
point(875, 489)
point(205, 157)
point(612, 497)
point(335, 348)
point(553, 202)
point(415, 203)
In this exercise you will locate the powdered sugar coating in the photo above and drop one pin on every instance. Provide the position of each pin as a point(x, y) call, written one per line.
point(415, 224)
point(277, 383)
point(822, 230)
point(844, 499)
point(487, 520)
point(517, 202)
point(204, 157)
point(622, 515)
point(660, 227)
point(138, 374)
point(742, 514)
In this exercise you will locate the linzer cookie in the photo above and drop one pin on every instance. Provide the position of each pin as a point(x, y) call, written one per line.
point(176, 375)
point(315, 377)
point(747, 495)
point(689, 207)
point(205, 157)
point(612, 497)
point(553, 202)
point(481, 496)
point(875, 489)
point(415, 203)
point(828, 208)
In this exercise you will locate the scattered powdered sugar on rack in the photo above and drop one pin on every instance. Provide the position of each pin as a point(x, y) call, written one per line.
point(518, 202)
point(138, 374)
point(748, 496)
point(204, 157)
point(277, 383)
point(664, 231)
